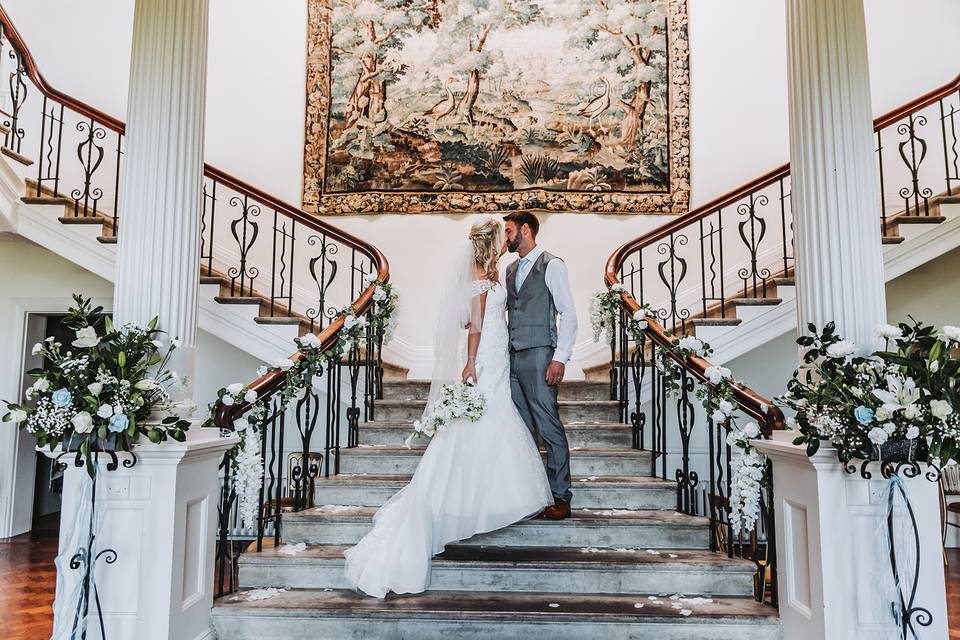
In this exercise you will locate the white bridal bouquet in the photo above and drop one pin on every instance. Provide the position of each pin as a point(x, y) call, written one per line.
point(457, 400)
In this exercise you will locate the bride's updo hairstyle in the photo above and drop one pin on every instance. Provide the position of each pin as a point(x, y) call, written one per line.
point(487, 238)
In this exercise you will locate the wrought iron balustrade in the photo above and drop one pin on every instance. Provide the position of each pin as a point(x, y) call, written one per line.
point(258, 249)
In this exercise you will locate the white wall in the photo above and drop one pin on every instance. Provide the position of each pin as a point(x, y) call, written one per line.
point(255, 116)
point(39, 281)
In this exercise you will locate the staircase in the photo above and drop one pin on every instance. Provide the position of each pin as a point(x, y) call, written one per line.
point(625, 565)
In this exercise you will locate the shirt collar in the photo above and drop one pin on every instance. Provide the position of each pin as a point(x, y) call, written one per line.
point(534, 254)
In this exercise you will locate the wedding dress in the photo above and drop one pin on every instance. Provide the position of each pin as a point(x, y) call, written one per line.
point(474, 477)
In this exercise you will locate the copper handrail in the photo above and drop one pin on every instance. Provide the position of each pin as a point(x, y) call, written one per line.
point(771, 177)
point(752, 403)
point(270, 382)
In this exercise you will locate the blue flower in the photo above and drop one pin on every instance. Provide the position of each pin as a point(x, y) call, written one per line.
point(118, 423)
point(61, 398)
point(864, 415)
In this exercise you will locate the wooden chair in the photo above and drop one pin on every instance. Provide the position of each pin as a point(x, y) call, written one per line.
point(949, 486)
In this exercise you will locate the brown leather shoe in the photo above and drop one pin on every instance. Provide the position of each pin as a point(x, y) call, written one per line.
point(559, 511)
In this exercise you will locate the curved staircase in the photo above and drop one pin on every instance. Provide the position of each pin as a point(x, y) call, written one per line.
point(625, 565)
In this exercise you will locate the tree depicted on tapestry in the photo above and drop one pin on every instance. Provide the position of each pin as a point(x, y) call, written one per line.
point(433, 105)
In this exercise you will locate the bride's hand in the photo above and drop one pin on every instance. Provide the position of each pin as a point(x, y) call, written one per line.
point(469, 372)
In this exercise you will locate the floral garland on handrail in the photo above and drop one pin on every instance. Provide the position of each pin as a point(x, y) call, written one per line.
point(718, 397)
point(306, 373)
point(100, 394)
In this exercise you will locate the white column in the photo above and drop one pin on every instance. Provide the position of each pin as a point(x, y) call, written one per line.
point(830, 561)
point(835, 185)
point(160, 198)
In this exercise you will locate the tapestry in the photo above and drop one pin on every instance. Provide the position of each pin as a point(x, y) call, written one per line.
point(417, 106)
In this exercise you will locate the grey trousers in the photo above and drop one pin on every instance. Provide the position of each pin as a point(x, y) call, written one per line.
point(537, 403)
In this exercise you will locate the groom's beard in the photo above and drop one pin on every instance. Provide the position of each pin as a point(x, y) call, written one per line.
point(514, 245)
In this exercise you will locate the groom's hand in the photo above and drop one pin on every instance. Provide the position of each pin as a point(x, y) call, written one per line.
point(555, 371)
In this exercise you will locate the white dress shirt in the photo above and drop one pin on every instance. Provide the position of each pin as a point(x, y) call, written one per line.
point(558, 282)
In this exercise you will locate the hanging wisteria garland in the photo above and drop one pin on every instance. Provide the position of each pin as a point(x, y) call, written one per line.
point(306, 372)
point(749, 468)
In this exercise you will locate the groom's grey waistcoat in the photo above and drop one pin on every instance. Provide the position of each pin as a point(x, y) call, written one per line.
point(533, 315)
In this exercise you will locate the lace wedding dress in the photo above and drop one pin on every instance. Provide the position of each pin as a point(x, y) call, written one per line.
point(473, 477)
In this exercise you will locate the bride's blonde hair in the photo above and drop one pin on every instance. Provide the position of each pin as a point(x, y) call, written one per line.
point(487, 238)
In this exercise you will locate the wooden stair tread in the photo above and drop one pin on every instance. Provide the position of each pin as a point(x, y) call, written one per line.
point(494, 606)
point(549, 556)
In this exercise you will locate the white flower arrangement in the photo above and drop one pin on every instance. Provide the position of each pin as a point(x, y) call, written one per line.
point(456, 401)
point(867, 406)
point(99, 394)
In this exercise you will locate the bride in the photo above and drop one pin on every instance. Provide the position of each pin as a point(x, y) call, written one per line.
point(473, 477)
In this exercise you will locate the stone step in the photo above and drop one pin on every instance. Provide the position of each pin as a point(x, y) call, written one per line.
point(590, 492)
point(579, 434)
point(606, 529)
point(570, 410)
point(303, 614)
point(572, 390)
point(583, 462)
point(522, 569)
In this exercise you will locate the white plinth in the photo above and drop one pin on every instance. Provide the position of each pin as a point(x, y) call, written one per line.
point(160, 516)
point(827, 560)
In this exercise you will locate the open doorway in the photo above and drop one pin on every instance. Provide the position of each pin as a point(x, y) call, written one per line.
point(47, 481)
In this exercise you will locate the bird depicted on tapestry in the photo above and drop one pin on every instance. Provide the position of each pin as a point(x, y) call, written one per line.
point(446, 105)
point(598, 105)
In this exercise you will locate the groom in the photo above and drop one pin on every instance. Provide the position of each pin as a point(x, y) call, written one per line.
point(538, 291)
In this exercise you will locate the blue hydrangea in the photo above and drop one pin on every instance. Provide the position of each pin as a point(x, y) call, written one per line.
point(864, 415)
point(61, 398)
point(118, 423)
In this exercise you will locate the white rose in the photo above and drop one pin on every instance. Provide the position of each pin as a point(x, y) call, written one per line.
point(82, 422)
point(877, 436)
point(282, 363)
point(716, 374)
point(105, 411)
point(37, 348)
point(227, 400)
point(250, 396)
point(889, 331)
point(841, 349)
point(86, 337)
point(882, 414)
point(792, 423)
point(235, 388)
point(889, 427)
point(690, 343)
point(145, 385)
point(951, 333)
point(310, 340)
point(718, 417)
point(940, 408)
point(912, 433)
point(241, 424)
point(751, 430)
point(640, 315)
point(262, 371)
point(117, 410)
point(725, 407)
point(617, 288)
point(17, 416)
point(911, 411)
point(95, 388)
point(369, 278)
point(379, 294)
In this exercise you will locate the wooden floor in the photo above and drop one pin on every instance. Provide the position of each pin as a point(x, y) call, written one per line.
point(28, 580)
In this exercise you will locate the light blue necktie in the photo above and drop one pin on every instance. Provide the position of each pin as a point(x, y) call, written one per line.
point(522, 272)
